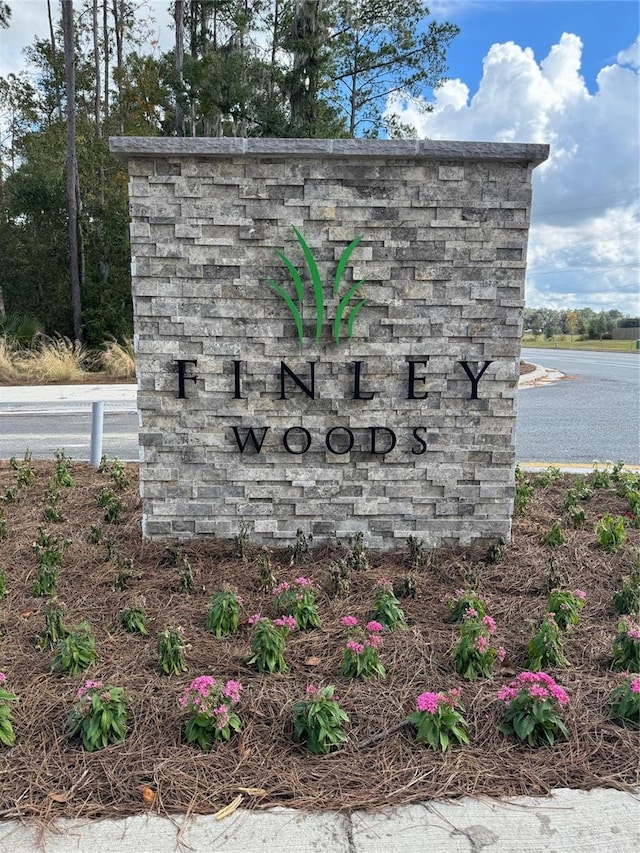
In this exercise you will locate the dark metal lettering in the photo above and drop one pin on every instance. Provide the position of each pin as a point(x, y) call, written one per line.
point(181, 375)
point(390, 435)
point(309, 391)
point(237, 390)
point(357, 393)
point(474, 378)
point(329, 436)
point(423, 443)
point(411, 393)
point(285, 440)
point(249, 434)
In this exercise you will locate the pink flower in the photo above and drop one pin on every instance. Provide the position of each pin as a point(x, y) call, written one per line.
point(106, 696)
point(202, 684)
point(3, 678)
point(303, 581)
point(281, 588)
point(456, 693)
point(311, 690)
point(239, 599)
point(537, 692)
point(559, 694)
point(88, 685)
point(633, 634)
point(356, 648)
point(232, 690)
point(507, 694)
point(490, 624)
point(286, 622)
point(428, 702)
point(481, 644)
point(253, 619)
point(580, 593)
point(470, 613)
point(374, 641)
point(635, 685)
point(501, 653)
point(349, 621)
point(182, 701)
point(374, 626)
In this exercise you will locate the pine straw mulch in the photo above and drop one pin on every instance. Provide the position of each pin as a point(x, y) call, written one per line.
point(47, 775)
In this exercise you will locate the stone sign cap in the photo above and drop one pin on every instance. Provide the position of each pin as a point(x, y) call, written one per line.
point(125, 147)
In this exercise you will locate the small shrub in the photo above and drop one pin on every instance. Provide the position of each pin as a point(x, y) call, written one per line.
point(464, 600)
point(54, 630)
point(224, 613)
point(318, 720)
point(50, 550)
point(566, 607)
point(626, 648)
point(134, 618)
point(299, 551)
point(626, 600)
point(186, 581)
point(356, 557)
point(523, 493)
point(125, 574)
point(52, 512)
point(474, 655)
point(94, 536)
point(611, 532)
point(62, 476)
point(7, 734)
point(340, 578)
point(601, 478)
point(360, 658)
point(546, 646)
point(298, 599)
point(171, 649)
point(533, 709)
point(267, 578)
point(555, 537)
point(26, 475)
point(268, 641)
point(625, 703)
point(3, 525)
point(113, 505)
point(437, 720)
point(99, 716)
point(241, 544)
point(548, 477)
point(77, 651)
point(386, 607)
point(418, 554)
point(210, 708)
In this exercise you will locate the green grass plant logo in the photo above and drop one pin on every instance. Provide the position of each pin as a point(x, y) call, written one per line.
point(294, 300)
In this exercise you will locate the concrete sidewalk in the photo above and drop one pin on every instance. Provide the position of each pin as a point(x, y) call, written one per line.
point(568, 821)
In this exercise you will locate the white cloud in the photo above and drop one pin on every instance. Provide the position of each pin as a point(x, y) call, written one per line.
point(585, 239)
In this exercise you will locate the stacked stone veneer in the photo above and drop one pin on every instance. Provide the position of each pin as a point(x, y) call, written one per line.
point(444, 231)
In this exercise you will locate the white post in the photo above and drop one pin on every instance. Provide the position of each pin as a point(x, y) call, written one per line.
point(97, 419)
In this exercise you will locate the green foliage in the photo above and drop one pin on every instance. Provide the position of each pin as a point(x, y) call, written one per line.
point(114, 507)
point(547, 477)
point(625, 702)
point(210, 708)
point(566, 607)
point(134, 618)
point(3, 525)
point(267, 578)
point(224, 613)
point(49, 550)
point(546, 646)
point(268, 643)
point(524, 490)
point(186, 581)
point(26, 475)
point(62, 475)
point(463, 600)
point(601, 478)
point(611, 532)
point(386, 608)
point(356, 557)
point(171, 649)
point(626, 600)
point(626, 647)
point(318, 720)
point(298, 599)
point(116, 472)
point(555, 537)
point(437, 720)
point(76, 651)
point(54, 630)
point(99, 716)
point(7, 734)
point(94, 535)
point(533, 709)
point(52, 512)
point(474, 655)
point(360, 658)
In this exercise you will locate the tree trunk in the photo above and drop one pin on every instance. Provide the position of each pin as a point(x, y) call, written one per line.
point(96, 70)
point(52, 39)
point(105, 38)
point(118, 26)
point(179, 62)
point(72, 167)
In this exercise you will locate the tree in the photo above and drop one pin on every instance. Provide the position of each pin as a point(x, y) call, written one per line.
point(571, 322)
point(380, 48)
point(5, 14)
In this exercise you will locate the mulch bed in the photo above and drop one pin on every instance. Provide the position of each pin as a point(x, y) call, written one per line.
point(48, 775)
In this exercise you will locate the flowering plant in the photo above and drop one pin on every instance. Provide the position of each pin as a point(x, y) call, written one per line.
point(625, 702)
point(171, 648)
point(7, 735)
point(318, 720)
point(626, 648)
point(210, 704)
point(437, 721)
point(386, 607)
point(298, 599)
point(462, 600)
point(224, 613)
point(546, 646)
point(268, 642)
point(360, 657)
point(566, 607)
point(99, 716)
point(474, 655)
point(626, 600)
point(533, 708)
point(76, 651)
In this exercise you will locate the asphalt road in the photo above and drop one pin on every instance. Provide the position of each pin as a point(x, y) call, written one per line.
point(592, 415)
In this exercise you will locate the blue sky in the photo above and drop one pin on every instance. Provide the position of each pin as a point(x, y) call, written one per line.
point(563, 72)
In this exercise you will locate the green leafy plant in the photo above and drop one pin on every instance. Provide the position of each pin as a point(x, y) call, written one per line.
point(356, 557)
point(611, 532)
point(566, 606)
point(533, 709)
point(134, 618)
point(54, 630)
point(10, 495)
point(62, 475)
point(94, 535)
point(241, 543)
point(186, 581)
point(626, 647)
point(210, 707)
point(76, 651)
point(49, 550)
point(125, 574)
point(113, 506)
point(52, 512)
point(223, 617)
point(474, 654)
point(318, 720)
point(523, 492)
point(171, 647)
point(601, 478)
point(626, 600)
point(25, 470)
point(268, 641)
point(7, 734)
point(99, 716)
point(625, 702)
point(3, 525)
point(555, 537)
point(3, 585)
point(360, 658)
point(577, 515)
point(116, 472)
point(464, 600)
point(546, 646)
point(437, 720)
point(547, 477)
point(298, 599)
point(386, 607)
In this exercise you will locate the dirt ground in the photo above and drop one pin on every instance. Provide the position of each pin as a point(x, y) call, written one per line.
point(46, 774)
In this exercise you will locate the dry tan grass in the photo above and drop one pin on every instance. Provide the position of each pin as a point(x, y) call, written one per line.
point(8, 371)
point(118, 360)
point(55, 360)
